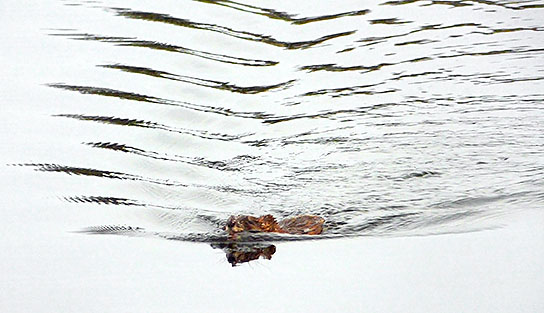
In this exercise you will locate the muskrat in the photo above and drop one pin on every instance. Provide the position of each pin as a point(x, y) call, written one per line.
point(298, 225)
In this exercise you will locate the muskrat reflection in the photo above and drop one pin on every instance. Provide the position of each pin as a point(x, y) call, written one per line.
point(243, 252)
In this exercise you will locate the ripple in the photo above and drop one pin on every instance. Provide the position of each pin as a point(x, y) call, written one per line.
point(282, 16)
point(146, 124)
point(102, 200)
point(167, 19)
point(134, 42)
point(389, 121)
point(107, 92)
point(198, 81)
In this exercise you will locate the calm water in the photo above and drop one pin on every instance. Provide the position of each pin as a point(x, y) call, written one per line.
point(163, 118)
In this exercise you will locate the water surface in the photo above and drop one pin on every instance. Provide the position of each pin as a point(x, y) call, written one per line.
point(161, 119)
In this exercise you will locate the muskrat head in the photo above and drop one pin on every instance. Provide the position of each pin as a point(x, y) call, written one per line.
point(240, 223)
point(234, 225)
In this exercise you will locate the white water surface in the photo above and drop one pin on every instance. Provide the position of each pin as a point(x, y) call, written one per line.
point(429, 172)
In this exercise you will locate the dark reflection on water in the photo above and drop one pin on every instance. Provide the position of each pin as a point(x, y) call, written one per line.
point(132, 42)
point(197, 81)
point(102, 200)
point(109, 93)
point(395, 118)
point(512, 5)
point(238, 253)
point(283, 16)
point(167, 19)
point(145, 124)
point(99, 91)
point(231, 165)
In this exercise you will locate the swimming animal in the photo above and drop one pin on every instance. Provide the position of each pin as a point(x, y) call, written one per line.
point(298, 225)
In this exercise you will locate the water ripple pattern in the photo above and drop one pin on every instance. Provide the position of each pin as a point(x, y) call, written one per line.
point(382, 117)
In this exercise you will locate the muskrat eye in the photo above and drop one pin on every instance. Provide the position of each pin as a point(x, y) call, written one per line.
point(230, 222)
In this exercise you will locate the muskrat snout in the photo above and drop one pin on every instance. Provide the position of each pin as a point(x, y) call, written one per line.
point(231, 226)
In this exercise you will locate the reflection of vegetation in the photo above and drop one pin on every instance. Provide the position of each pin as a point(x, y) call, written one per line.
point(111, 120)
point(504, 4)
point(102, 200)
point(415, 42)
point(78, 171)
point(401, 2)
point(374, 40)
point(273, 14)
point(338, 68)
point(146, 124)
point(452, 3)
point(133, 42)
point(167, 19)
point(389, 21)
point(138, 97)
point(234, 164)
point(107, 92)
point(91, 172)
point(242, 252)
point(361, 68)
point(348, 91)
point(197, 81)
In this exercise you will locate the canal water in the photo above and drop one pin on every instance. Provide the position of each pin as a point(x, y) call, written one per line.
point(133, 130)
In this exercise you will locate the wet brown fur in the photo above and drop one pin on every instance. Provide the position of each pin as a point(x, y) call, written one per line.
point(299, 225)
